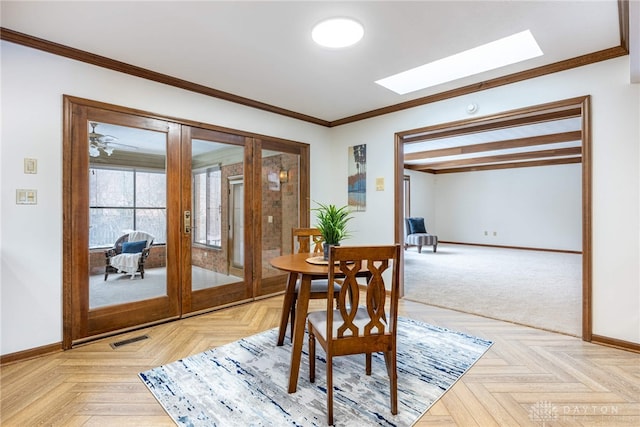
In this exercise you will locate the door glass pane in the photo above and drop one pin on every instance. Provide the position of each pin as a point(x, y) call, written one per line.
point(217, 251)
point(280, 206)
point(127, 202)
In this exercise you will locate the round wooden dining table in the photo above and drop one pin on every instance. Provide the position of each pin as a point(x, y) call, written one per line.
point(298, 266)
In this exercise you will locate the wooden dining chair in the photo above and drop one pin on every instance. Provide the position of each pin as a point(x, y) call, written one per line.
point(308, 240)
point(355, 329)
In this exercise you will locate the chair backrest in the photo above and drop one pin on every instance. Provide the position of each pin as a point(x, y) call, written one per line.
point(125, 238)
point(137, 235)
point(382, 312)
point(118, 244)
point(414, 225)
point(306, 240)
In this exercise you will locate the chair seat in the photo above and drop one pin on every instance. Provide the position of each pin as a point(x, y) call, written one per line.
point(318, 285)
point(422, 239)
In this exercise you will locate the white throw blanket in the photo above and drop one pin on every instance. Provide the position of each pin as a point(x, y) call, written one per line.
point(128, 263)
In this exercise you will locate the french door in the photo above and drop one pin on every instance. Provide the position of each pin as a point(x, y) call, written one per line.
point(213, 210)
point(216, 205)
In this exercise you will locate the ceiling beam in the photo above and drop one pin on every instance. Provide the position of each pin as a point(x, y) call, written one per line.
point(535, 163)
point(573, 151)
point(496, 145)
point(492, 125)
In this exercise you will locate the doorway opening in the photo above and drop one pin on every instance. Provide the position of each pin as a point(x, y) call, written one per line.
point(461, 148)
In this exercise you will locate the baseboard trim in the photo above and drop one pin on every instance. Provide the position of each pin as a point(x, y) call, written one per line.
point(614, 342)
point(512, 247)
point(31, 353)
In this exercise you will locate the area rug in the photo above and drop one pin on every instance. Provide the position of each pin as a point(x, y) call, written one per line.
point(245, 383)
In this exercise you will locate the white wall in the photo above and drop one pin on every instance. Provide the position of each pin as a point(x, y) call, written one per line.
point(32, 87)
point(528, 207)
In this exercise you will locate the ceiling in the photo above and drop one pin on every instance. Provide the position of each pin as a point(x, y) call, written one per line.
point(261, 53)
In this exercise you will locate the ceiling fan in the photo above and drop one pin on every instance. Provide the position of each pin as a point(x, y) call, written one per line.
point(99, 142)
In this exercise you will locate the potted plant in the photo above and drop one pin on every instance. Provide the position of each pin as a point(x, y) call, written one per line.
point(332, 223)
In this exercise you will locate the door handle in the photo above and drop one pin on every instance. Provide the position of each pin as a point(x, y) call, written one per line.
point(187, 222)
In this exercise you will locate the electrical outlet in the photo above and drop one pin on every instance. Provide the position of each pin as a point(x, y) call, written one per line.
point(486, 233)
point(495, 233)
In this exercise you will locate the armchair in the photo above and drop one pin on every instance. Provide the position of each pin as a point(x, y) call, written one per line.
point(416, 234)
point(128, 254)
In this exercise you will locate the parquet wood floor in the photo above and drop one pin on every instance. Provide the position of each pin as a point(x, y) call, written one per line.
point(529, 377)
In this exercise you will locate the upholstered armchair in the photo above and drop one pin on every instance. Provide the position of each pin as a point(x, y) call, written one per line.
point(417, 235)
point(128, 254)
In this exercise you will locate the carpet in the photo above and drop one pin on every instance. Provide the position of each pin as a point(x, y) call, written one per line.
point(534, 288)
point(245, 383)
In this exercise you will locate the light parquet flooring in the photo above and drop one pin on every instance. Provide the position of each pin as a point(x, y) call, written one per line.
point(529, 377)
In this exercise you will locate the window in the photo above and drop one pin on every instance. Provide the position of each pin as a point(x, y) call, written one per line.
point(207, 207)
point(121, 200)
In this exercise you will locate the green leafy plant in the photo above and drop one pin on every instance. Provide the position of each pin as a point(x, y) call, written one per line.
point(332, 222)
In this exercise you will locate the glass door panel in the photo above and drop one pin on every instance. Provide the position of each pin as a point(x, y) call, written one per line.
point(127, 203)
point(118, 268)
point(215, 273)
point(280, 213)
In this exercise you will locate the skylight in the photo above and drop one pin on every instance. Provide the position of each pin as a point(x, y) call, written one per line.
point(506, 51)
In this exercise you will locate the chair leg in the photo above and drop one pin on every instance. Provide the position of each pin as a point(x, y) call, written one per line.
point(286, 308)
point(435, 248)
point(312, 355)
point(329, 390)
point(367, 364)
point(106, 274)
point(419, 249)
point(393, 380)
point(392, 372)
point(292, 315)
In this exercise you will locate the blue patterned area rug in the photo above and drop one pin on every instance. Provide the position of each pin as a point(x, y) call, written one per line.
point(245, 383)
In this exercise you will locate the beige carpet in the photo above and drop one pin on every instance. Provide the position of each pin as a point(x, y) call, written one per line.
point(533, 288)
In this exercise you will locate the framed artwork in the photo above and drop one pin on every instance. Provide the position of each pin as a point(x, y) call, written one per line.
point(357, 184)
point(274, 181)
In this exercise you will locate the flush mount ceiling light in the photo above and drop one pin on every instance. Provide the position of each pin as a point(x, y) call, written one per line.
point(337, 32)
point(506, 51)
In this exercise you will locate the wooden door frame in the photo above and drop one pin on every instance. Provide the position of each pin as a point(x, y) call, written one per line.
point(209, 298)
point(75, 254)
point(584, 104)
point(79, 321)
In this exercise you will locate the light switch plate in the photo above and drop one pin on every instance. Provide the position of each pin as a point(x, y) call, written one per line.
point(379, 184)
point(30, 166)
point(26, 197)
